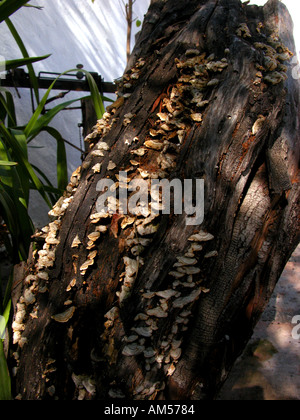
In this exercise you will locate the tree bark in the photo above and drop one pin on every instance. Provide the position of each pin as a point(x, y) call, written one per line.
point(170, 332)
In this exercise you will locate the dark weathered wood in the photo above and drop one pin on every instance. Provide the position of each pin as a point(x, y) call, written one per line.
point(88, 117)
point(246, 148)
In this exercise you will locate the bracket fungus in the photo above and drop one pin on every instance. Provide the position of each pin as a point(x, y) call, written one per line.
point(64, 317)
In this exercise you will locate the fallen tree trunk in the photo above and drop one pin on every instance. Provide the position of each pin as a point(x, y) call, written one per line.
point(146, 307)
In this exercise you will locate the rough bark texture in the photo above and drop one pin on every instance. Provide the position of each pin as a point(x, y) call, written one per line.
point(246, 148)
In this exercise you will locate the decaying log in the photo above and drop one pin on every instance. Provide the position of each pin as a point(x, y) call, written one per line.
point(155, 308)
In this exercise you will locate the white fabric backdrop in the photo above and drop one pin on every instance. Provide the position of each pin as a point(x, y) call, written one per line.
point(75, 31)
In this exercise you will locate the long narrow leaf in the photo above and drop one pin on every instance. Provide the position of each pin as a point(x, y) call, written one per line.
point(2, 324)
point(8, 7)
point(21, 138)
point(96, 97)
point(5, 383)
point(18, 152)
point(53, 193)
point(6, 177)
point(31, 127)
point(12, 118)
point(34, 7)
point(5, 163)
point(6, 170)
point(50, 190)
point(31, 72)
point(6, 109)
point(62, 165)
point(45, 119)
point(7, 297)
point(14, 64)
point(19, 224)
point(8, 210)
point(9, 215)
point(6, 313)
point(23, 179)
point(32, 75)
point(13, 177)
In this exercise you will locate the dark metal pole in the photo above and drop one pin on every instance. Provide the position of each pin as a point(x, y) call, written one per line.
point(20, 79)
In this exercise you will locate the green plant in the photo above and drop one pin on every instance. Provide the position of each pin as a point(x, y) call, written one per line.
point(17, 175)
point(8, 7)
point(5, 306)
point(5, 383)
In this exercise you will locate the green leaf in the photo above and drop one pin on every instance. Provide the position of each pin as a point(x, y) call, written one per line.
point(7, 297)
point(20, 157)
point(32, 75)
point(2, 327)
point(54, 193)
point(13, 64)
point(5, 383)
point(34, 7)
point(21, 138)
point(9, 214)
point(106, 99)
point(95, 94)
point(6, 313)
point(11, 173)
point(41, 122)
point(6, 171)
point(33, 126)
point(7, 109)
point(19, 224)
point(8, 7)
point(6, 163)
point(23, 179)
point(12, 119)
point(8, 210)
point(138, 23)
point(62, 165)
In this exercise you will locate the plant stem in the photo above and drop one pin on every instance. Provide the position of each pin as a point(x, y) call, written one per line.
point(128, 9)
